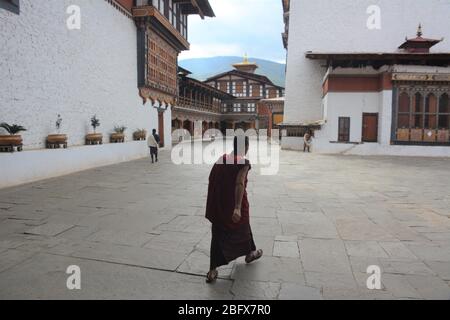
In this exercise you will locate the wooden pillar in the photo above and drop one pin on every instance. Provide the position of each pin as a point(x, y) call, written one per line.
point(161, 127)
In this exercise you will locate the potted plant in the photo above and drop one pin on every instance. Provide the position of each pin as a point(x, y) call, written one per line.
point(94, 138)
point(8, 142)
point(56, 140)
point(119, 134)
point(140, 134)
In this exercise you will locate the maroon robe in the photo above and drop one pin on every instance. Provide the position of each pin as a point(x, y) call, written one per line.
point(229, 240)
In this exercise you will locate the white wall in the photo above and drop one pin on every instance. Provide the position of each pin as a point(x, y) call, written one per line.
point(18, 168)
point(351, 105)
point(341, 26)
point(46, 70)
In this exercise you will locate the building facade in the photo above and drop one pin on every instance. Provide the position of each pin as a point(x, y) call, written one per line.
point(358, 88)
point(119, 64)
point(248, 89)
point(199, 107)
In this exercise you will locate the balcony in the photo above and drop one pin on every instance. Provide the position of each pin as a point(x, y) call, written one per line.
point(242, 110)
point(146, 12)
point(196, 105)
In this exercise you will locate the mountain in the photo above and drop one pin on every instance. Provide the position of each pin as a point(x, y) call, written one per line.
point(203, 68)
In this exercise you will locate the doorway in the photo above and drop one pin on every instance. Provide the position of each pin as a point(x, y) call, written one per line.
point(370, 127)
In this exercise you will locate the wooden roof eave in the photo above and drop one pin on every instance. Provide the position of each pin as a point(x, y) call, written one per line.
point(377, 59)
point(200, 7)
point(149, 13)
point(256, 77)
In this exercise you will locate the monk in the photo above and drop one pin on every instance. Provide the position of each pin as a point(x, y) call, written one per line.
point(227, 209)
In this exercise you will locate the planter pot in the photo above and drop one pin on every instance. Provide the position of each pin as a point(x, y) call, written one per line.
point(94, 138)
point(402, 134)
point(443, 135)
point(429, 135)
point(55, 141)
point(417, 135)
point(8, 142)
point(139, 136)
point(117, 138)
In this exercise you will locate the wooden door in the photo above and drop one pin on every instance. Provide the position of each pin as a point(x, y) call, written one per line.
point(370, 127)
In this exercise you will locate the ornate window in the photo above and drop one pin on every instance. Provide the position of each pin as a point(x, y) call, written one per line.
point(256, 91)
point(11, 5)
point(344, 129)
point(444, 112)
point(162, 73)
point(422, 114)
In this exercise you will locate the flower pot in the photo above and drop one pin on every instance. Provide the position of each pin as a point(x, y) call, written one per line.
point(13, 140)
point(417, 135)
point(443, 135)
point(8, 142)
point(429, 135)
point(402, 134)
point(94, 138)
point(56, 141)
point(140, 135)
point(117, 137)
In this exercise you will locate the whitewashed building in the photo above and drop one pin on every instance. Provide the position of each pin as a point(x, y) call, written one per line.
point(359, 86)
point(116, 59)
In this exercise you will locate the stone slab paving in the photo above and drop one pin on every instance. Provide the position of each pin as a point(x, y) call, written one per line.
point(137, 231)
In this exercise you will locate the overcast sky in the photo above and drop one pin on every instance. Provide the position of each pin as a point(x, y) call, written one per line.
point(240, 26)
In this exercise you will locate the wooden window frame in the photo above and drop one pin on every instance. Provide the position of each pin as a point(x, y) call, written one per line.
point(344, 136)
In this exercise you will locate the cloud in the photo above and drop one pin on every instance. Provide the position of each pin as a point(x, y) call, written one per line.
point(212, 50)
point(240, 26)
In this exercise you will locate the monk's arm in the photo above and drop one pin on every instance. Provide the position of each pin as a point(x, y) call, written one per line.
point(240, 187)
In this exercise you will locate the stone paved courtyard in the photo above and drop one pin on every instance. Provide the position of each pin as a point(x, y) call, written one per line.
point(137, 231)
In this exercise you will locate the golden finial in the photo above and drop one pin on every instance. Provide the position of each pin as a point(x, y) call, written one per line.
point(246, 58)
point(419, 30)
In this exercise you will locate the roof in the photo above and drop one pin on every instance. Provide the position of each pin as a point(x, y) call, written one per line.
point(419, 44)
point(200, 7)
point(183, 71)
point(253, 76)
point(206, 8)
point(415, 51)
point(203, 85)
point(377, 59)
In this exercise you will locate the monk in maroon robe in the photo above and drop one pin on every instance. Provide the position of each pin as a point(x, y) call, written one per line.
point(227, 209)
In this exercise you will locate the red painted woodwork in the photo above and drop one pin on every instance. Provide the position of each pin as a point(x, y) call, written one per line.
point(356, 83)
point(161, 127)
point(127, 4)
